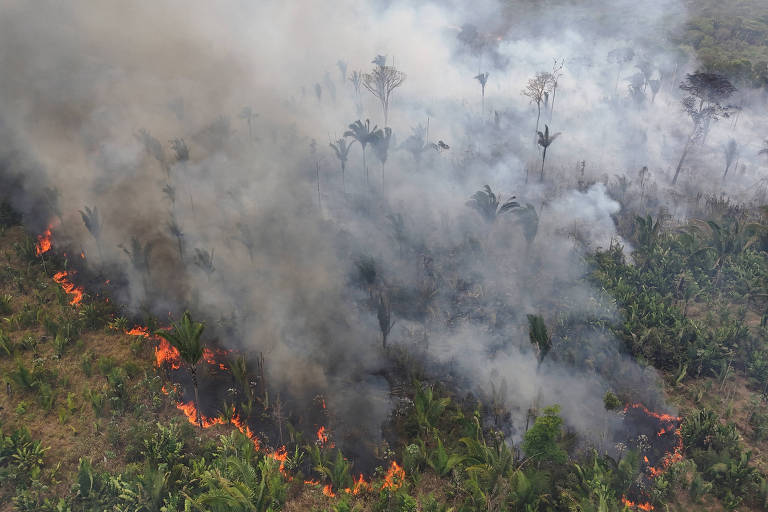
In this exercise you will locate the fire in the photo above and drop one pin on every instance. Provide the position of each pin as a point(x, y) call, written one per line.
point(246, 430)
point(328, 491)
point(311, 482)
point(359, 486)
point(82, 254)
point(139, 331)
point(322, 436)
point(394, 478)
point(165, 353)
point(191, 412)
point(281, 455)
point(670, 427)
point(210, 357)
point(639, 506)
point(44, 244)
point(76, 292)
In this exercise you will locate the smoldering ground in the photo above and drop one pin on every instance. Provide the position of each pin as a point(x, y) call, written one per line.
point(201, 134)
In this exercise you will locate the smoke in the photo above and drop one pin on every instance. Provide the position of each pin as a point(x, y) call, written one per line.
point(240, 231)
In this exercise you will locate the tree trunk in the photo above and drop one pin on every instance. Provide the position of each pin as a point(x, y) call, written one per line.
point(193, 372)
point(682, 159)
point(538, 117)
point(543, 157)
point(365, 167)
point(343, 183)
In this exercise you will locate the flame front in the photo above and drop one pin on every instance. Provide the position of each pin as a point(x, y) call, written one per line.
point(210, 357)
point(647, 507)
point(246, 430)
point(62, 278)
point(670, 428)
point(191, 412)
point(394, 478)
point(44, 244)
point(328, 491)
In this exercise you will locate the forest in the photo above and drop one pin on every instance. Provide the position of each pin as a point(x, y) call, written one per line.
point(384, 256)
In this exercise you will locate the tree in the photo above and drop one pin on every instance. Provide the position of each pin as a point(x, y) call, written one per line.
point(529, 220)
point(557, 73)
point(342, 70)
point(483, 79)
point(538, 335)
point(764, 151)
point(185, 337)
point(381, 82)
point(537, 90)
point(177, 233)
point(341, 148)
point(540, 442)
point(248, 115)
point(620, 57)
point(204, 260)
point(381, 148)
point(704, 104)
point(489, 206)
point(730, 152)
point(93, 223)
point(545, 140)
point(384, 316)
point(363, 134)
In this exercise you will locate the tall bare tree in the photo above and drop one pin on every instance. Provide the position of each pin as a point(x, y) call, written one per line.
point(381, 82)
point(537, 90)
point(557, 73)
point(706, 94)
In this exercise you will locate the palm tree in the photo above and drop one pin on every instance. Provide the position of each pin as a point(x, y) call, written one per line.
point(488, 205)
point(248, 115)
point(93, 223)
point(483, 79)
point(176, 232)
point(380, 145)
point(544, 141)
point(764, 151)
point(730, 152)
point(363, 134)
point(341, 148)
point(204, 260)
point(185, 337)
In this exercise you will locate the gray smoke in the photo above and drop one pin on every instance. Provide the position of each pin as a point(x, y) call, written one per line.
point(92, 94)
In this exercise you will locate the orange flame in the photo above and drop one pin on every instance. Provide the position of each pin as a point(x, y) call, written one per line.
point(75, 291)
point(246, 430)
point(394, 478)
point(359, 486)
point(165, 353)
point(322, 435)
point(44, 244)
point(191, 412)
point(210, 357)
point(311, 482)
point(670, 428)
point(639, 506)
point(139, 331)
point(328, 491)
point(281, 455)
